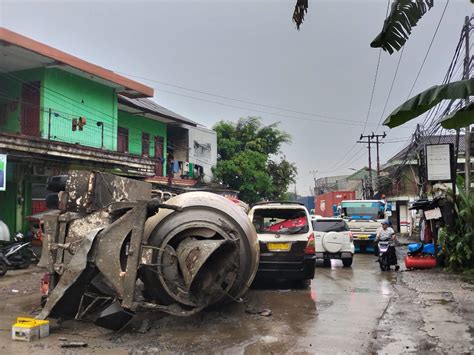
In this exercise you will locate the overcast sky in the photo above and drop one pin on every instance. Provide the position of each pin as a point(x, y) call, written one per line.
point(251, 51)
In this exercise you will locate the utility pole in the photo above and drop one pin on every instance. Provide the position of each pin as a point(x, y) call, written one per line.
point(467, 134)
point(369, 141)
point(314, 172)
point(377, 142)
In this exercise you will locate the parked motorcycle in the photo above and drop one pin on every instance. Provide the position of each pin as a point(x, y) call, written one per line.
point(387, 255)
point(17, 255)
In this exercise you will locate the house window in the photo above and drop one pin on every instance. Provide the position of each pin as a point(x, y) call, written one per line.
point(145, 144)
point(38, 198)
point(122, 140)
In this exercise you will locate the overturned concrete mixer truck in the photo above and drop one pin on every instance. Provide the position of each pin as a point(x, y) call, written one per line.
point(112, 249)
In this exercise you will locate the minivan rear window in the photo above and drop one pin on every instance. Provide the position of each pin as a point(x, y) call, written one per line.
point(330, 226)
point(280, 221)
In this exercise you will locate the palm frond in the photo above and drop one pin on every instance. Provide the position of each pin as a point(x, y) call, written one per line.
point(301, 8)
point(403, 16)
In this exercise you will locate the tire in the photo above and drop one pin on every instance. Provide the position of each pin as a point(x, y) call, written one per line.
point(384, 263)
point(347, 262)
point(57, 183)
point(302, 284)
point(3, 268)
point(327, 262)
point(26, 262)
point(52, 201)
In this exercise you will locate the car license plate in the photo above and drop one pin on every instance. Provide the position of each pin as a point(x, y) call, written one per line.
point(278, 246)
point(364, 236)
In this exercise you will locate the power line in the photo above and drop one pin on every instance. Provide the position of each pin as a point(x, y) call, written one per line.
point(391, 87)
point(375, 79)
point(340, 121)
point(344, 160)
point(373, 91)
point(80, 105)
point(429, 48)
point(231, 98)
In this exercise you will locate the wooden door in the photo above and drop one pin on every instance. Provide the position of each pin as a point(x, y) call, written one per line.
point(122, 140)
point(145, 144)
point(30, 109)
point(159, 153)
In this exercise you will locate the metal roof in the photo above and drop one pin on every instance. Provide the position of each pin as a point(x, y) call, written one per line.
point(151, 107)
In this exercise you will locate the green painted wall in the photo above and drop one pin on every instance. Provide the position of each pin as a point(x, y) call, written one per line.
point(71, 96)
point(10, 95)
point(136, 125)
point(8, 200)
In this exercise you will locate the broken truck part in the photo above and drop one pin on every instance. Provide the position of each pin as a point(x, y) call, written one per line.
point(113, 249)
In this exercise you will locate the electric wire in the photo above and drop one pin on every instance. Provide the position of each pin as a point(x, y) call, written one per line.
point(429, 49)
point(391, 88)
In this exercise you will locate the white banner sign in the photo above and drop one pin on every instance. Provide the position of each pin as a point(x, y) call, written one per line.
point(433, 214)
point(3, 172)
point(438, 162)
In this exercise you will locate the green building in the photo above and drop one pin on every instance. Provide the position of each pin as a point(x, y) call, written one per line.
point(59, 112)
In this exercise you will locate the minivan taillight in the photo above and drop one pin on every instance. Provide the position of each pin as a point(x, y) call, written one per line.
point(310, 247)
point(351, 236)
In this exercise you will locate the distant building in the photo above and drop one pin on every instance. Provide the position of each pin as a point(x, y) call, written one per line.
point(357, 182)
point(330, 183)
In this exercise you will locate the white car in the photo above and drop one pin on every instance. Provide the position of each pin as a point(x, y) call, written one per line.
point(333, 240)
point(286, 240)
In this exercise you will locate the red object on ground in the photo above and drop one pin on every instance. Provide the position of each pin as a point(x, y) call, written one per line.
point(420, 262)
point(289, 223)
point(323, 204)
point(44, 288)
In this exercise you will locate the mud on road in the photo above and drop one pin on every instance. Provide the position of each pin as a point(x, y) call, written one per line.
point(345, 310)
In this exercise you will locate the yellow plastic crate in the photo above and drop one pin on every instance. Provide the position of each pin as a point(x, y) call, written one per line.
point(29, 329)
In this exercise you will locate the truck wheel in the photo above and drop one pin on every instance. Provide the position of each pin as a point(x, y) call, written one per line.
point(347, 262)
point(3, 268)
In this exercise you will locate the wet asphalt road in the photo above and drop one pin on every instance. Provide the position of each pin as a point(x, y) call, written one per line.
point(337, 313)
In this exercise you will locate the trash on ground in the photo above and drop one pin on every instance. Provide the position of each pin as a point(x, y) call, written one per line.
point(74, 344)
point(265, 312)
point(144, 327)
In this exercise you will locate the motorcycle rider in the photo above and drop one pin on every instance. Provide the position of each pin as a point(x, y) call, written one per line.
point(386, 232)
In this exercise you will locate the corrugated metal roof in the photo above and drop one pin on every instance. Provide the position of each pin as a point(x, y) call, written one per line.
point(152, 107)
point(360, 174)
point(429, 140)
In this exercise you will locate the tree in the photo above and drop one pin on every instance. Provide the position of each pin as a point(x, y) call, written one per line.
point(249, 159)
point(404, 15)
point(397, 27)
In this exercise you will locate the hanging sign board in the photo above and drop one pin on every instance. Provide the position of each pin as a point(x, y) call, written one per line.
point(3, 172)
point(433, 214)
point(439, 162)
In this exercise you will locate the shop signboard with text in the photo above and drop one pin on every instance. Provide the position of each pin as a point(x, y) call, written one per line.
point(439, 158)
